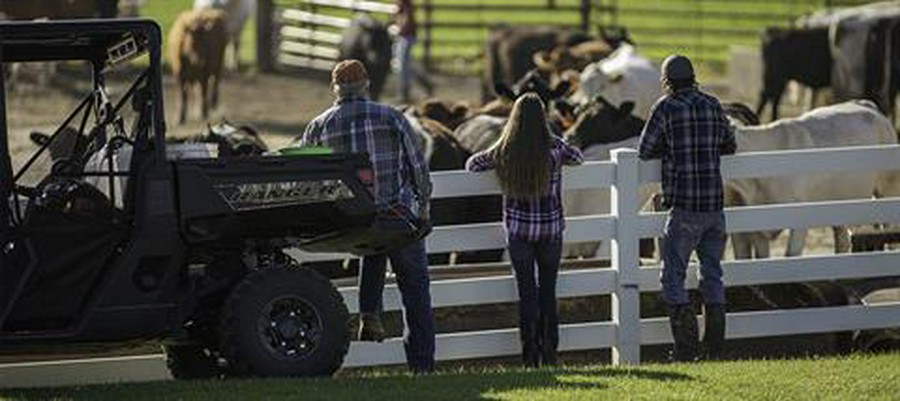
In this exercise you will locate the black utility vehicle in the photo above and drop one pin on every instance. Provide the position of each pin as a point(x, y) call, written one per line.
point(124, 238)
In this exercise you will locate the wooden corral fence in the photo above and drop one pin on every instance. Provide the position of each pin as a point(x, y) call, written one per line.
point(625, 280)
point(306, 33)
point(453, 32)
point(626, 332)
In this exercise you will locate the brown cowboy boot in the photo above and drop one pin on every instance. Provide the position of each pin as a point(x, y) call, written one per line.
point(370, 327)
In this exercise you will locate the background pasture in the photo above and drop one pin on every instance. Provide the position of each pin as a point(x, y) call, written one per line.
point(703, 29)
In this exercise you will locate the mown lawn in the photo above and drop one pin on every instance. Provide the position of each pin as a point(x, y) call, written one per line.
point(856, 377)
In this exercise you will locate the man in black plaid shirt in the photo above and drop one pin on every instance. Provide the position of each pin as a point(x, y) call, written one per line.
point(357, 124)
point(688, 130)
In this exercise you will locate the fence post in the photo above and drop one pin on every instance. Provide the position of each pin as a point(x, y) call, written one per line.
point(429, 25)
point(626, 307)
point(264, 47)
point(585, 16)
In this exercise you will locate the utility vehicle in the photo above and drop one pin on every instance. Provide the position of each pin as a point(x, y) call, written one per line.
point(117, 236)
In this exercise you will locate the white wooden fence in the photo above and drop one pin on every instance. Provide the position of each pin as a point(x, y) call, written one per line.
point(626, 332)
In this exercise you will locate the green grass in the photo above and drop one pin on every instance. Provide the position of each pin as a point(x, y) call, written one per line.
point(857, 377)
point(660, 27)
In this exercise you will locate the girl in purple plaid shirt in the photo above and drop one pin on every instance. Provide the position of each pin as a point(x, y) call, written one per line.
point(528, 161)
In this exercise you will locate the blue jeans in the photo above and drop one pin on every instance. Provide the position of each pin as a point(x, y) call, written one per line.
point(538, 317)
point(403, 58)
point(410, 264)
point(685, 232)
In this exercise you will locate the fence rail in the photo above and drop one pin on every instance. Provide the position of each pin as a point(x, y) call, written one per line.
point(626, 332)
point(705, 29)
point(626, 279)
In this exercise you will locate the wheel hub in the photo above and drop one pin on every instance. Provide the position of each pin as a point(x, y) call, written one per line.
point(292, 328)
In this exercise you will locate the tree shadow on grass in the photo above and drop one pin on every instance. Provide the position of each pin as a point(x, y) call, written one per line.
point(390, 385)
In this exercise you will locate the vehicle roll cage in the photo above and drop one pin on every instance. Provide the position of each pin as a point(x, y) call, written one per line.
point(105, 46)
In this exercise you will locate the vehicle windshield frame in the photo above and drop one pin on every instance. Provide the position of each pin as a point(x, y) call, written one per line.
point(106, 45)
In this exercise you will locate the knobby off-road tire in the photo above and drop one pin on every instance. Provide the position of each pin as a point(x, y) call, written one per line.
point(285, 322)
point(191, 362)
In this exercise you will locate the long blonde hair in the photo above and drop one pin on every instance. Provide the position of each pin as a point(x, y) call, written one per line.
point(522, 154)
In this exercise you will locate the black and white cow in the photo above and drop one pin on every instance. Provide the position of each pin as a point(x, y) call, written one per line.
point(368, 41)
point(801, 55)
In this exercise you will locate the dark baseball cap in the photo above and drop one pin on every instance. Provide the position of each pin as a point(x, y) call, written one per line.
point(677, 67)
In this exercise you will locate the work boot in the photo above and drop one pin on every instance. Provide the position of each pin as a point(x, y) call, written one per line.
point(714, 332)
point(684, 330)
point(370, 327)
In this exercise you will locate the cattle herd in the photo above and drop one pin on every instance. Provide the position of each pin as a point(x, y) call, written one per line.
point(599, 91)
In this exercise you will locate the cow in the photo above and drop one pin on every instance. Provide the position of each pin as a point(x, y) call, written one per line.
point(483, 128)
point(196, 51)
point(509, 52)
point(368, 41)
point(238, 12)
point(449, 115)
point(854, 123)
point(623, 76)
point(802, 55)
point(230, 140)
point(562, 58)
point(865, 52)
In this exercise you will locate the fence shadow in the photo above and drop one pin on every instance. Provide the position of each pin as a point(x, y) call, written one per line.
point(385, 384)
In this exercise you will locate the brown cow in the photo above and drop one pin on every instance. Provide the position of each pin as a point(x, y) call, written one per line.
point(197, 43)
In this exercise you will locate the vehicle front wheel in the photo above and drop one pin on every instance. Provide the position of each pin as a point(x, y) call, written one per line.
point(285, 322)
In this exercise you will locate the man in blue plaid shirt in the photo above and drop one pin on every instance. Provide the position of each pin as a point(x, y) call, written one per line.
point(357, 124)
point(688, 130)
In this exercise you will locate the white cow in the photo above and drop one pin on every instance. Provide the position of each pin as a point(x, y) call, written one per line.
point(238, 12)
point(622, 76)
point(855, 123)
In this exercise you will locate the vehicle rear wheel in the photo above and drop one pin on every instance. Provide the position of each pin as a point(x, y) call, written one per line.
point(191, 362)
point(285, 322)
